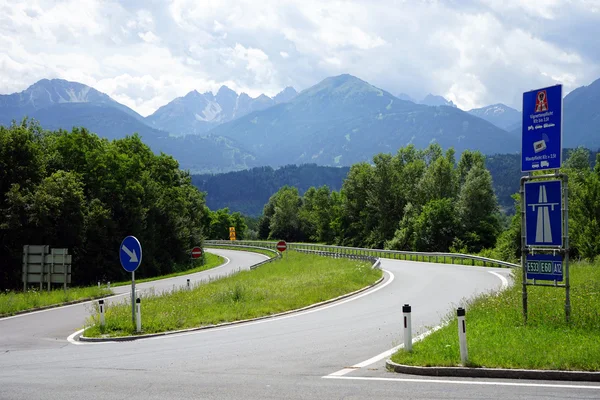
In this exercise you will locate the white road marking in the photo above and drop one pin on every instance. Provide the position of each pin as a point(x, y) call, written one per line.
point(104, 298)
point(265, 320)
point(502, 278)
point(469, 382)
point(383, 355)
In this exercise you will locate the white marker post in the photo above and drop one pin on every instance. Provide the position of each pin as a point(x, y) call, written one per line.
point(407, 328)
point(139, 315)
point(101, 304)
point(188, 284)
point(462, 335)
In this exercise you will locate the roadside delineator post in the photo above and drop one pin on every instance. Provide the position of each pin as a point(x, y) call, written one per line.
point(188, 284)
point(108, 286)
point(101, 304)
point(138, 315)
point(407, 327)
point(462, 335)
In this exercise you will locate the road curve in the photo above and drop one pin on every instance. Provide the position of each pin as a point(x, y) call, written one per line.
point(291, 357)
point(50, 328)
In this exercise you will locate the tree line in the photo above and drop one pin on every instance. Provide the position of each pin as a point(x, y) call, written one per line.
point(424, 200)
point(78, 191)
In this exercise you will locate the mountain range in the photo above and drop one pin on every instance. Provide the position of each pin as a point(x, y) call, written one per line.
point(337, 122)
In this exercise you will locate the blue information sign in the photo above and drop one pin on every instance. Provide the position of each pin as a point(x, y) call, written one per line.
point(130, 253)
point(545, 267)
point(543, 214)
point(541, 146)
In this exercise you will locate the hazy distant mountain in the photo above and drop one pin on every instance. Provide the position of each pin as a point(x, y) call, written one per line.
point(343, 120)
point(49, 92)
point(62, 104)
point(404, 96)
point(197, 113)
point(433, 100)
point(499, 114)
point(581, 121)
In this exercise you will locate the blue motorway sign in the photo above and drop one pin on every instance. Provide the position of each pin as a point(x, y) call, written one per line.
point(541, 146)
point(545, 267)
point(543, 214)
point(130, 253)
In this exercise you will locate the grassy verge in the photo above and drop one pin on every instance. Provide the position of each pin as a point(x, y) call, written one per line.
point(297, 281)
point(14, 302)
point(498, 338)
point(212, 261)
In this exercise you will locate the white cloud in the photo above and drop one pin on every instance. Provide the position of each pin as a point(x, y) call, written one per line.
point(144, 54)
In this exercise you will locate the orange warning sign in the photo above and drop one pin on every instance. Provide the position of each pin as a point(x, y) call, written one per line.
point(541, 101)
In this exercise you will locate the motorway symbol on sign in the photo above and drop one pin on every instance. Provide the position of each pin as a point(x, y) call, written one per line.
point(130, 253)
point(545, 267)
point(196, 252)
point(541, 141)
point(543, 214)
point(281, 246)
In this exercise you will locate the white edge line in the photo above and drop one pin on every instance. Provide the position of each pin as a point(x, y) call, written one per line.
point(383, 355)
point(502, 278)
point(461, 382)
point(103, 298)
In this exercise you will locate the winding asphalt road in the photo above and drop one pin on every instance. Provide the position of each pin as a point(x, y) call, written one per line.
point(336, 351)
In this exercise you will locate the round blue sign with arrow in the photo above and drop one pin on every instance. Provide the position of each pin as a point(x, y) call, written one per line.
point(130, 253)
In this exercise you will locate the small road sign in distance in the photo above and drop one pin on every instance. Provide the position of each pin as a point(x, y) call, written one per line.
point(196, 252)
point(281, 246)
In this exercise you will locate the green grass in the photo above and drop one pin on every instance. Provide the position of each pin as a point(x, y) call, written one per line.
point(14, 302)
point(294, 282)
point(498, 338)
point(212, 261)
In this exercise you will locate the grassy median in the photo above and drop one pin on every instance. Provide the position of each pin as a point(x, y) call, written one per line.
point(497, 336)
point(14, 302)
point(296, 281)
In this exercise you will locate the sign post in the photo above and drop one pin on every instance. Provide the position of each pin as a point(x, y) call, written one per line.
point(544, 200)
point(130, 255)
point(281, 246)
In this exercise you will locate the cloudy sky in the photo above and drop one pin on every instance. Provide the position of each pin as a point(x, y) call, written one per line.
point(144, 53)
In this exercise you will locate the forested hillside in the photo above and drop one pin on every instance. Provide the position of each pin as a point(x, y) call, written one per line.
point(249, 190)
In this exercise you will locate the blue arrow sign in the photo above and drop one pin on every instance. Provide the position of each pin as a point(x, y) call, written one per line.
point(130, 253)
point(545, 267)
point(543, 214)
point(541, 146)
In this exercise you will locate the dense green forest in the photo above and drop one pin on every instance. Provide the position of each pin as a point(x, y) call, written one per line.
point(424, 200)
point(249, 190)
point(76, 190)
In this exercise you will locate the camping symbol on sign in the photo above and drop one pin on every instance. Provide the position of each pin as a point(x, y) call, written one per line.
point(541, 101)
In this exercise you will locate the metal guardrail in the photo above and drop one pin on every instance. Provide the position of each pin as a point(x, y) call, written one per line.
point(341, 251)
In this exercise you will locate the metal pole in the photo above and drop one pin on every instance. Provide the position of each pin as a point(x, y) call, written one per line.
point(407, 327)
point(133, 297)
point(523, 248)
point(566, 244)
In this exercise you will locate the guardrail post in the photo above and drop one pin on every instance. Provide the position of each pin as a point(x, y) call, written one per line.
point(101, 305)
point(462, 335)
point(407, 327)
point(138, 314)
